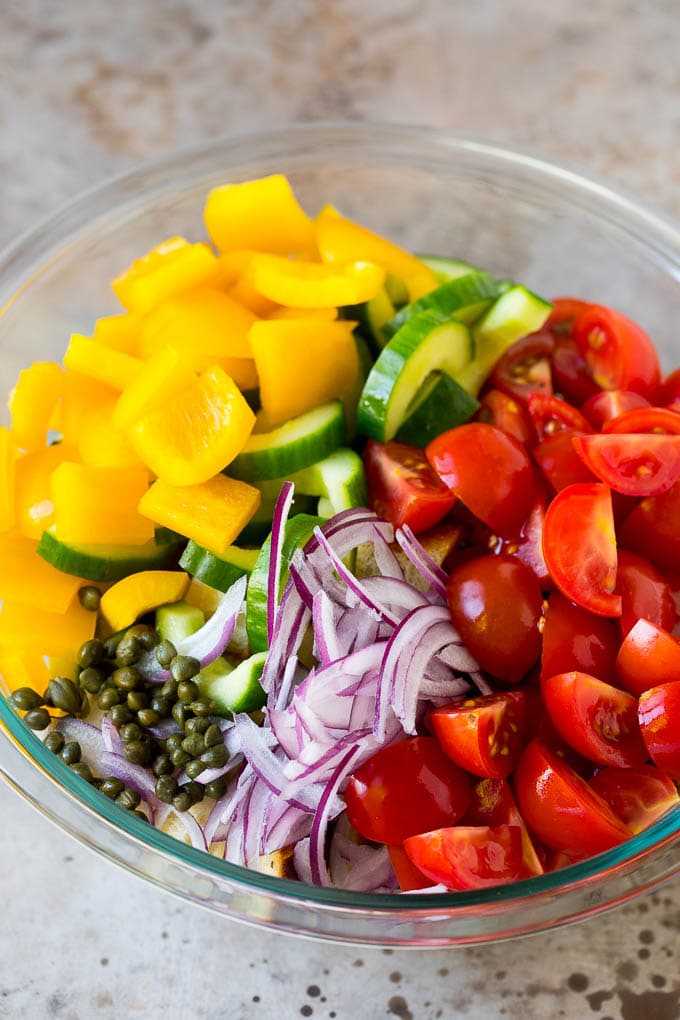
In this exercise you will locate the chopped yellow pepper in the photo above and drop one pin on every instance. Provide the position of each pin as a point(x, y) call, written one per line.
point(137, 594)
point(80, 394)
point(302, 364)
point(202, 596)
point(106, 365)
point(59, 634)
point(120, 332)
point(101, 443)
point(236, 274)
point(29, 580)
point(341, 240)
point(242, 370)
point(32, 496)
point(23, 669)
point(7, 479)
point(213, 514)
point(196, 435)
point(205, 324)
point(328, 314)
point(99, 505)
point(171, 268)
point(32, 403)
point(262, 214)
point(166, 372)
point(315, 285)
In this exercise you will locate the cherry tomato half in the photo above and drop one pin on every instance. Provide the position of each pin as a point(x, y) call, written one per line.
point(408, 876)
point(618, 352)
point(597, 720)
point(659, 420)
point(651, 529)
point(493, 804)
point(483, 735)
point(551, 415)
point(659, 715)
point(635, 465)
point(638, 796)
point(559, 461)
point(403, 488)
point(560, 808)
point(648, 656)
point(574, 639)
point(488, 470)
point(564, 313)
point(645, 593)
point(495, 604)
point(507, 414)
point(406, 788)
point(608, 404)
point(571, 377)
point(525, 367)
point(469, 857)
point(529, 545)
point(670, 389)
point(579, 545)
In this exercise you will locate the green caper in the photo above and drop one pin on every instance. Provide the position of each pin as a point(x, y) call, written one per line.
point(165, 653)
point(194, 768)
point(147, 717)
point(128, 652)
point(138, 752)
point(193, 744)
point(161, 706)
point(37, 718)
point(146, 636)
point(216, 788)
point(111, 644)
point(25, 698)
point(90, 597)
point(165, 788)
point(195, 791)
point(137, 700)
point(140, 814)
point(174, 742)
point(169, 689)
point(179, 713)
point(213, 735)
point(181, 801)
point(119, 715)
point(82, 770)
point(128, 799)
point(91, 679)
point(182, 669)
point(130, 731)
point(202, 707)
point(197, 725)
point(162, 765)
point(71, 752)
point(108, 697)
point(126, 678)
point(91, 653)
point(63, 694)
point(179, 758)
point(215, 757)
point(111, 787)
point(54, 741)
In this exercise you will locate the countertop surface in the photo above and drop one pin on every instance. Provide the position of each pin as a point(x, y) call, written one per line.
point(87, 89)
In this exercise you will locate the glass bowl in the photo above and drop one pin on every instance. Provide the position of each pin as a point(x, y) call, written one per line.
point(518, 216)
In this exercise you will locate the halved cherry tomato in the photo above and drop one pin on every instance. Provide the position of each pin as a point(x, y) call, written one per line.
point(670, 389)
point(560, 807)
point(618, 352)
point(571, 377)
point(637, 795)
point(573, 638)
point(555, 860)
point(529, 545)
point(596, 719)
point(645, 593)
point(408, 876)
point(525, 367)
point(488, 470)
point(608, 404)
point(483, 735)
point(559, 461)
point(651, 529)
point(550, 415)
point(493, 804)
point(645, 419)
point(564, 313)
point(635, 465)
point(468, 857)
point(579, 545)
point(495, 604)
point(648, 656)
point(403, 488)
point(659, 715)
point(507, 414)
point(406, 788)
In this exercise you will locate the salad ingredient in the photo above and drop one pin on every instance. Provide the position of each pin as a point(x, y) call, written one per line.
point(507, 414)
point(468, 857)
point(575, 639)
point(635, 465)
point(103, 562)
point(29, 581)
point(96, 361)
point(262, 214)
point(139, 593)
point(32, 403)
point(164, 374)
point(550, 415)
point(441, 404)
point(605, 405)
point(648, 656)
point(203, 326)
point(233, 689)
point(493, 804)
point(557, 458)
point(7, 480)
point(297, 444)
point(59, 633)
point(618, 353)
point(637, 795)
point(646, 419)
point(173, 267)
point(645, 593)
point(403, 488)
point(219, 572)
point(659, 715)
point(84, 512)
point(483, 735)
point(651, 529)
point(177, 620)
point(463, 298)
point(310, 285)
point(525, 368)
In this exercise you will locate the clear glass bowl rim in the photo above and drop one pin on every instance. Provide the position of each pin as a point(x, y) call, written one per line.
point(21, 262)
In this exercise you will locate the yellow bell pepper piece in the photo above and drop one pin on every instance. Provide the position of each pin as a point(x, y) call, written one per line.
point(171, 268)
point(236, 275)
point(242, 370)
point(80, 394)
point(137, 594)
point(198, 433)
point(315, 285)
point(341, 240)
point(327, 314)
point(120, 332)
point(166, 372)
point(263, 214)
point(32, 495)
point(106, 365)
point(302, 364)
point(59, 634)
point(99, 505)
point(32, 403)
point(205, 324)
point(7, 479)
point(101, 443)
point(27, 579)
point(23, 669)
point(213, 514)
point(202, 596)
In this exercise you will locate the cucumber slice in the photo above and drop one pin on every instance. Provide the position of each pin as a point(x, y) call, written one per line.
point(515, 314)
point(259, 526)
point(234, 688)
point(440, 405)
point(293, 446)
point(463, 298)
point(428, 342)
point(178, 620)
point(446, 268)
point(372, 316)
point(219, 572)
point(297, 533)
point(338, 481)
point(109, 562)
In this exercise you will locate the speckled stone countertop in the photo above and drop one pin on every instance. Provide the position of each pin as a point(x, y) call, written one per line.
point(87, 89)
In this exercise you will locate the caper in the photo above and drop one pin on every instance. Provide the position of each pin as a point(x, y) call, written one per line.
point(63, 694)
point(193, 744)
point(140, 814)
point(197, 725)
point(162, 765)
point(91, 679)
point(37, 718)
point(148, 717)
point(166, 788)
point(138, 752)
point(126, 678)
point(89, 598)
point(181, 801)
point(54, 741)
point(111, 644)
point(111, 787)
point(108, 697)
point(174, 742)
point(202, 707)
point(119, 715)
point(215, 757)
point(216, 788)
point(146, 636)
point(187, 690)
point(179, 758)
point(195, 791)
point(165, 653)
point(169, 689)
point(213, 735)
point(91, 653)
point(137, 700)
point(130, 731)
point(194, 768)
point(179, 713)
point(161, 705)
point(128, 799)
point(71, 752)
point(83, 770)
point(25, 698)
point(182, 669)
point(128, 651)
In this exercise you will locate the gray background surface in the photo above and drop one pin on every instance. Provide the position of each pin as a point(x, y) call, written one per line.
point(89, 88)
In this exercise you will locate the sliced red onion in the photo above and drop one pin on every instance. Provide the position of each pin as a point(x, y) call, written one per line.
point(421, 560)
point(193, 829)
point(281, 511)
point(397, 594)
point(329, 806)
point(324, 622)
point(111, 737)
point(90, 740)
point(263, 760)
point(354, 585)
point(287, 826)
point(386, 561)
point(134, 776)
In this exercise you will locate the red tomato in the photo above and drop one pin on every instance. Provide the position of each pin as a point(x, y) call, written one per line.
point(638, 796)
point(493, 804)
point(659, 715)
point(670, 389)
point(565, 312)
point(495, 604)
point(645, 419)
point(525, 367)
point(579, 545)
point(403, 488)
point(597, 720)
point(573, 638)
point(608, 404)
point(557, 859)
point(559, 461)
point(645, 593)
point(488, 470)
point(507, 414)
point(651, 529)
point(469, 857)
point(571, 377)
point(408, 876)
point(648, 656)
point(560, 808)
point(618, 352)
point(406, 788)
point(529, 546)
point(636, 465)
point(483, 735)
point(551, 415)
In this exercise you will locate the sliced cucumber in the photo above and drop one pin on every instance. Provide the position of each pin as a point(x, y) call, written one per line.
point(440, 405)
point(428, 342)
point(219, 572)
point(515, 314)
point(178, 620)
point(109, 562)
point(338, 481)
point(259, 526)
point(447, 269)
point(293, 446)
point(234, 688)
point(463, 298)
point(297, 533)
point(372, 316)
